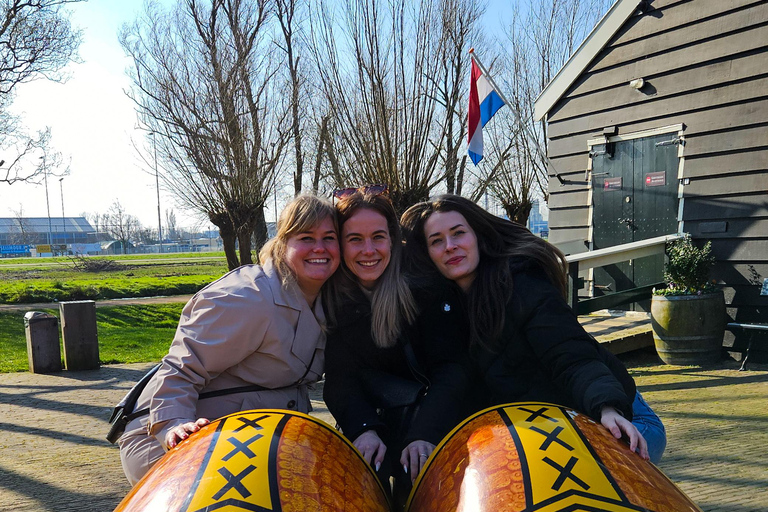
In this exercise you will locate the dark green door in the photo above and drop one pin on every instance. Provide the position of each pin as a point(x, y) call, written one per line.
point(634, 198)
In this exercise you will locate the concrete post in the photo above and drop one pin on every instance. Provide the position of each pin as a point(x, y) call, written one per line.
point(78, 330)
point(43, 349)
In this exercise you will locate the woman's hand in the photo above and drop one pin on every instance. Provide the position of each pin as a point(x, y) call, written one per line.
point(415, 456)
point(372, 447)
point(181, 432)
point(620, 426)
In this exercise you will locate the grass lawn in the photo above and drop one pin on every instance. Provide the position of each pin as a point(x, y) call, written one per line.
point(127, 334)
point(27, 280)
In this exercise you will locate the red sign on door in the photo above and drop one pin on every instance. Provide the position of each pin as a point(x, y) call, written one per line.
point(656, 179)
point(612, 184)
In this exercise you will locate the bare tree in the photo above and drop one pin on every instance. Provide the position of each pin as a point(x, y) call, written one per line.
point(459, 25)
point(205, 83)
point(37, 41)
point(171, 226)
point(541, 37)
point(32, 158)
point(22, 232)
point(287, 12)
point(120, 225)
point(379, 84)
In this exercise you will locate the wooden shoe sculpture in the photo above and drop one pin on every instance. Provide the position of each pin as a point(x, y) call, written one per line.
point(520, 457)
point(261, 460)
point(540, 457)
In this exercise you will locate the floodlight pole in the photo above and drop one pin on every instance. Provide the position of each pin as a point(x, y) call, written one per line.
point(47, 203)
point(157, 183)
point(63, 219)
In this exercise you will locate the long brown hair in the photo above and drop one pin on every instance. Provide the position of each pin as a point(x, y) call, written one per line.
point(392, 304)
point(499, 242)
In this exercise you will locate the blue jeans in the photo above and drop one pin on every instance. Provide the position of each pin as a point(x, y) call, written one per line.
point(650, 427)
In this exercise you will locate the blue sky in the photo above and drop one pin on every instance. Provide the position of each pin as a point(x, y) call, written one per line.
point(93, 125)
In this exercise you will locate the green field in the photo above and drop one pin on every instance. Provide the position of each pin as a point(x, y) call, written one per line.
point(27, 280)
point(127, 334)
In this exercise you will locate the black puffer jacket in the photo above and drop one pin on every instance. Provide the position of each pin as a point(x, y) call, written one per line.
point(437, 340)
point(546, 355)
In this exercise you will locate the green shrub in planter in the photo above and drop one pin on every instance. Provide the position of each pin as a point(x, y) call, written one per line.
point(687, 271)
point(688, 316)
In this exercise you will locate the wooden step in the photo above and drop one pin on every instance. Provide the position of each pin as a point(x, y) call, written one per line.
point(619, 333)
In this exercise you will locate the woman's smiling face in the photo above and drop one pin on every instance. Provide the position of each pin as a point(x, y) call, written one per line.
point(452, 246)
point(313, 255)
point(366, 245)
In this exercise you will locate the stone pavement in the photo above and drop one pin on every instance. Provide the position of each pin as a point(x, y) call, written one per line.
point(53, 456)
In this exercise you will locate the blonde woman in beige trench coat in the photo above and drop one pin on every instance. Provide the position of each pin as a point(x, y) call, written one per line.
point(257, 325)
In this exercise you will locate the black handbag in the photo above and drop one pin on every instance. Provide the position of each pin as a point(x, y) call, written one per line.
point(123, 413)
point(388, 391)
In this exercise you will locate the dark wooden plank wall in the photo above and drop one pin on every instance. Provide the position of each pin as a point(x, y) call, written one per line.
point(705, 63)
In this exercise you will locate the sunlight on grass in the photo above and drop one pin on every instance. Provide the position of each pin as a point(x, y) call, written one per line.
point(127, 334)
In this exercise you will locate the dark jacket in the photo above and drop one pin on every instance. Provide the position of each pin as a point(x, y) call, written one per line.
point(437, 342)
point(546, 355)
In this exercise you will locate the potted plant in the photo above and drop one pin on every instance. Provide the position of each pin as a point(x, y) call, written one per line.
point(688, 316)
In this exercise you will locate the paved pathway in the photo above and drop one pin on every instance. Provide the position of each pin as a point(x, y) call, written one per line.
point(53, 456)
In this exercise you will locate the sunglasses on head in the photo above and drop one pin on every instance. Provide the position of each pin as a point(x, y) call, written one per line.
point(374, 190)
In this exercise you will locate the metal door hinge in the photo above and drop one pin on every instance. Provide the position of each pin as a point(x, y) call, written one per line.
point(671, 142)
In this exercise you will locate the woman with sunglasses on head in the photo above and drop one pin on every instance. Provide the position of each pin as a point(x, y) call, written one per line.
point(525, 342)
point(382, 334)
point(252, 339)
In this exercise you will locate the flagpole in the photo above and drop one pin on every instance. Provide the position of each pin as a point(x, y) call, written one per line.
point(516, 113)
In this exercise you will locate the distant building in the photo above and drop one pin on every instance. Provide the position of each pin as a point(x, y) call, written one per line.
point(536, 221)
point(117, 247)
point(31, 231)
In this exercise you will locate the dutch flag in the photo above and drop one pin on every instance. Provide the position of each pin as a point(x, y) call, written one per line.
point(484, 101)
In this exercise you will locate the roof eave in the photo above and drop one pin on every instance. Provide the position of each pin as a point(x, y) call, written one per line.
point(608, 25)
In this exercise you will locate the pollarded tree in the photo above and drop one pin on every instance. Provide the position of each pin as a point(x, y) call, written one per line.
point(459, 26)
point(378, 82)
point(205, 83)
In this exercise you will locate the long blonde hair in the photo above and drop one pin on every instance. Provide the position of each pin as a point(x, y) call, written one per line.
point(392, 304)
point(301, 214)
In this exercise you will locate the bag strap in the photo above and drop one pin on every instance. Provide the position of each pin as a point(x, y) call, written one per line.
point(129, 400)
point(413, 364)
point(208, 394)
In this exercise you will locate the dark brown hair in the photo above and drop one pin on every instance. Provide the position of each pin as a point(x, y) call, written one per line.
point(500, 243)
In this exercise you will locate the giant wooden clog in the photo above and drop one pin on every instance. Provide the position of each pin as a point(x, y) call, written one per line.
point(535, 456)
point(262, 460)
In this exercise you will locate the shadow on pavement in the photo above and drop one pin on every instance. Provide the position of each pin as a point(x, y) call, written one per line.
point(48, 497)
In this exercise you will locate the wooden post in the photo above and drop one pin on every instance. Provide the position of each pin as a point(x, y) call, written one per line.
point(573, 285)
point(43, 351)
point(78, 329)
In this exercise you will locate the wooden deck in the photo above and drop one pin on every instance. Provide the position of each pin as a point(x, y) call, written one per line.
point(620, 334)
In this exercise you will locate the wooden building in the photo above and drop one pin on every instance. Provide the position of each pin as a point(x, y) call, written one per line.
point(659, 124)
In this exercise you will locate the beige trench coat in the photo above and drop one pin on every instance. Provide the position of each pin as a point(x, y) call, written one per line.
point(245, 328)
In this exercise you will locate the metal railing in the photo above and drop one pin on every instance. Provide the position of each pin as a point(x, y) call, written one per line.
point(609, 256)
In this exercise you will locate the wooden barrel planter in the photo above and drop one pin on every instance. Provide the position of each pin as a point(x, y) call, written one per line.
point(689, 329)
